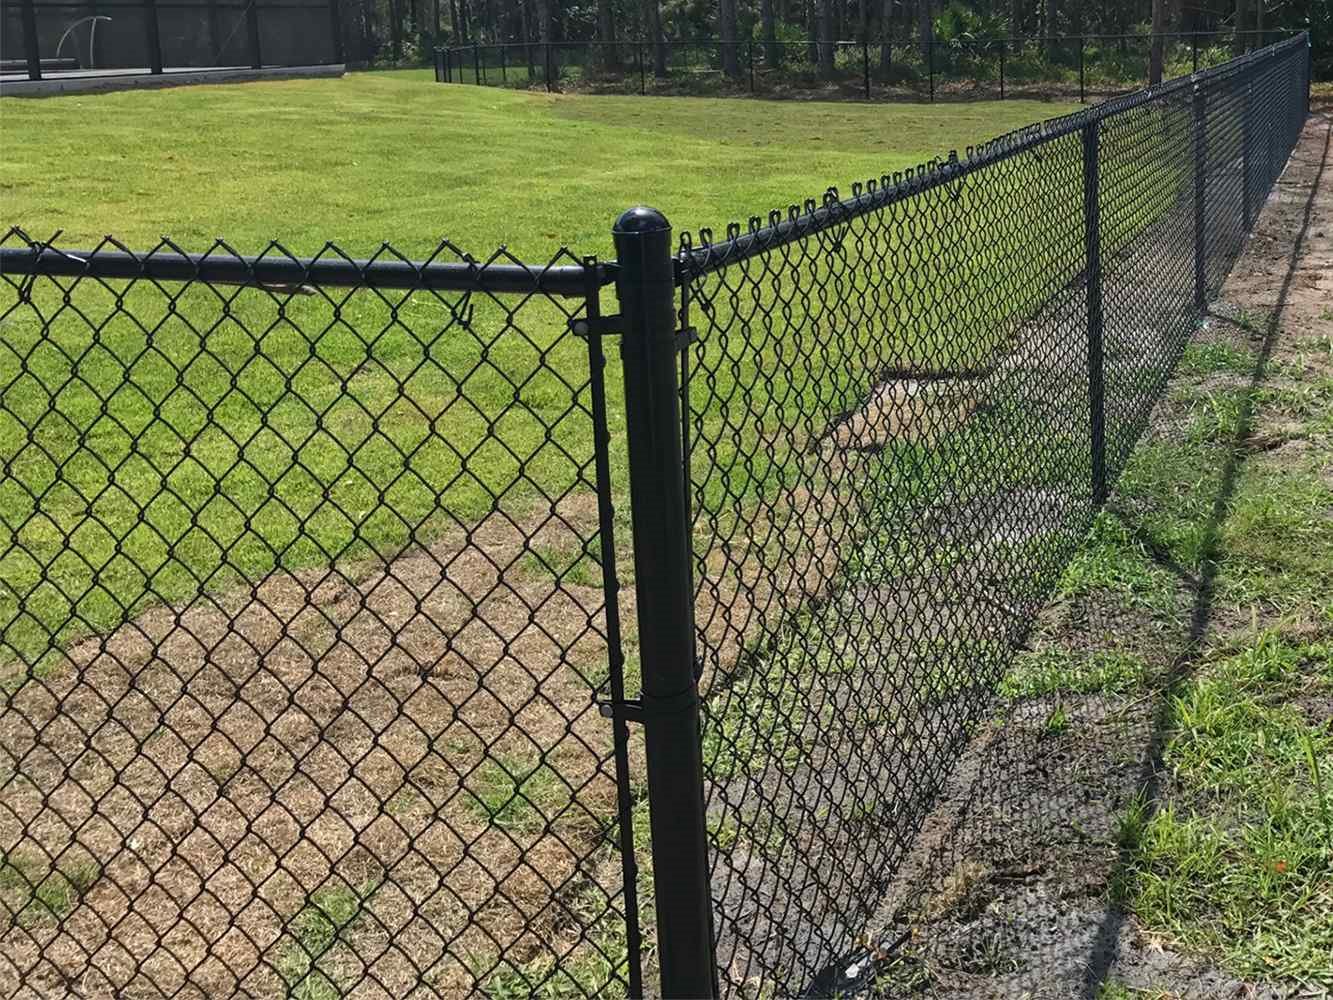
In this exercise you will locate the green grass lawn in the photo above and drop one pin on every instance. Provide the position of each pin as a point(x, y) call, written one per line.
point(160, 440)
point(393, 157)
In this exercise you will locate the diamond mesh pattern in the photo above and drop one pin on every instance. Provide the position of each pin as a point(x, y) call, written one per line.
point(310, 589)
point(890, 464)
point(302, 619)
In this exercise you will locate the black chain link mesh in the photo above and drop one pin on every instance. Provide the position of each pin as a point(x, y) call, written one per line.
point(888, 427)
point(301, 622)
point(304, 616)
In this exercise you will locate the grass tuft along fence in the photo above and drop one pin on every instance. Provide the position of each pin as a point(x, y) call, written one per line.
point(363, 632)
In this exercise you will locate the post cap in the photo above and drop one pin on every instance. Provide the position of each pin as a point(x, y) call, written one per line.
point(641, 219)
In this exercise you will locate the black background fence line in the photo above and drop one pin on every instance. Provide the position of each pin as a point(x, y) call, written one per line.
point(322, 668)
point(162, 35)
point(1000, 67)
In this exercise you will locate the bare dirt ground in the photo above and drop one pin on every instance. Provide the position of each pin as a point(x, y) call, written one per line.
point(1020, 860)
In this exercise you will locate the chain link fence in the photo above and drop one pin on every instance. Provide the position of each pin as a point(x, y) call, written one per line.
point(903, 410)
point(961, 68)
point(302, 627)
point(364, 633)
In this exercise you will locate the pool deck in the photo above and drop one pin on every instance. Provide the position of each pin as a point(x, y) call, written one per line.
point(84, 80)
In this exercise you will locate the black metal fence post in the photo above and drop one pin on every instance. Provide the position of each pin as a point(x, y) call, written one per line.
point(252, 34)
point(643, 75)
point(751, 56)
point(1245, 160)
point(1194, 46)
point(30, 52)
point(504, 64)
point(546, 64)
point(665, 600)
point(865, 65)
point(1096, 355)
point(1309, 71)
point(152, 36)
point(1003, 46)
point(1200, 204)
point(476, 64)
point(1082, 88)
point(336, 29)
point(930, 58)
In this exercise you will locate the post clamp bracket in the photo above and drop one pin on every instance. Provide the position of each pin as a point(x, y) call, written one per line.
point(635, 710)
point(603, 326)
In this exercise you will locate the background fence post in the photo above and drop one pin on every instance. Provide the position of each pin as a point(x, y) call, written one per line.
point(1200, 203)
point(336, 28)
point(1309, 71)
point(643, 75)
point(504, 63)
point(1003, 46)
point(1083, 88)
point(1096, 354)
point(396, 30)
point(546, 64)
point(930, 58)
point(1245, 159)
point(1194, 46)
point(476, 63)
point(252, 32)
point(152, 36)
point(30, 52)
point(751, 55)
point(865, 64)
point(646, 290)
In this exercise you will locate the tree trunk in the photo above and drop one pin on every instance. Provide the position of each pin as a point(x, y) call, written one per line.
point(826, 38)
point(1155, 53)
point(926, 28)
point(769, 27)
point(726, 18)
point(654, 19)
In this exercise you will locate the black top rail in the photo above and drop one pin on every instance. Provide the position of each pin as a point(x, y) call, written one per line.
point(801, 223)
point(574, 280)
point(564, 279)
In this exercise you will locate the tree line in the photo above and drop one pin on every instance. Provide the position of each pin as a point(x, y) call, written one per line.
point(814, 24)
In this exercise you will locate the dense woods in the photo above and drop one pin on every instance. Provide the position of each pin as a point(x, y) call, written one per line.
point(409, 27)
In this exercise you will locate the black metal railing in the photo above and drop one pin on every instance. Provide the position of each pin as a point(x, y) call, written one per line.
point(364, 633)
point(961, 68)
